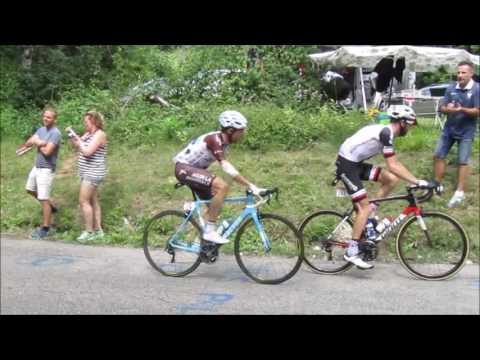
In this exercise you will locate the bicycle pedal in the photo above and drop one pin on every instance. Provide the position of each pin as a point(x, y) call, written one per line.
point(208, 259)
point(209, 252)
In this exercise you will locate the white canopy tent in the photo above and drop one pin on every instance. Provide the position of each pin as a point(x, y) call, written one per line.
point(417, 58)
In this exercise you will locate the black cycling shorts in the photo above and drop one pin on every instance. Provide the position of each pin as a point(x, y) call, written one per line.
point(352, 173)
point(199, 180)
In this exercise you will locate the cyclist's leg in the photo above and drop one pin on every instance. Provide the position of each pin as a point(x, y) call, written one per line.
point(220, 189)
point(350, 173)
point(387, 181)
point(352, 255)
point(208, 187)
point(363, 210)
point(199, 180)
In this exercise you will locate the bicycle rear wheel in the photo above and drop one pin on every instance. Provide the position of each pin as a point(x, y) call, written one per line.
point(177, 259)
point(436, 253)
point(275, 265)
point(325, 236)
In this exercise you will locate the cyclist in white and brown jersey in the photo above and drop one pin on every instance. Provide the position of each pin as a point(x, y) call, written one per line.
point(351, 169)
point(192, 162)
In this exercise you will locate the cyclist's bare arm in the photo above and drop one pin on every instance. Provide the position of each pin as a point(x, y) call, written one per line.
point(230, 170)
point(399, 170)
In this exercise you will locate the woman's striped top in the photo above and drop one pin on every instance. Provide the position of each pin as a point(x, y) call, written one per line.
point(95, 165)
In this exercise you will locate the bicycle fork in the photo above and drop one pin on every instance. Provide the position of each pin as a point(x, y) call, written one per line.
point(267, 244)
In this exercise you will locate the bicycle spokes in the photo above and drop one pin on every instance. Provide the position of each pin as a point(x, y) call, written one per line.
point(173, 255)
point(269, 253)
point(326, 235)
point(433, 248)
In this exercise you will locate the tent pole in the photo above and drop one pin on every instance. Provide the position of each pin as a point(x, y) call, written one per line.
point(363, 90)
point(390, 93)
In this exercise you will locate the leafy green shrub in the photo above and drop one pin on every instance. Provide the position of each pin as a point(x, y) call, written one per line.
point(18, 123)
point(419, 138)
point(77, 101)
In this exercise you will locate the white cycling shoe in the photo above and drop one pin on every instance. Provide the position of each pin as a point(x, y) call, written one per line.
point(214, 237)
point(355, 259)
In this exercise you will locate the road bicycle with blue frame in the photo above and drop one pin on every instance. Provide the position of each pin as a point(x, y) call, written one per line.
point(430, 245)
point(267, 247)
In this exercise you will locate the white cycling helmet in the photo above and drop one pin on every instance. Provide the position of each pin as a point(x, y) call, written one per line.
point(402, 112)
point(232, 119)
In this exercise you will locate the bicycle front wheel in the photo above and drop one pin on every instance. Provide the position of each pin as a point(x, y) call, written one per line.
point(171, 243)
point(436, 252)
point(275, 264)
point(325, 236)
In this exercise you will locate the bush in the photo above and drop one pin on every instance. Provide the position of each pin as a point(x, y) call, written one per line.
point(77, 101)
point(18, 123)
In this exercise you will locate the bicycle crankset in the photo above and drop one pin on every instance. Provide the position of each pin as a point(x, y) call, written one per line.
point(209, 252)
point(369, 250)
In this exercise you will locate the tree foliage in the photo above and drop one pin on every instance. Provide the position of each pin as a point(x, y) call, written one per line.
point(78, 76)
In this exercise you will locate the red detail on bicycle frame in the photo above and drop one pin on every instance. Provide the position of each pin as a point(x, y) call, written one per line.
point(339, 244)
point(411, 209)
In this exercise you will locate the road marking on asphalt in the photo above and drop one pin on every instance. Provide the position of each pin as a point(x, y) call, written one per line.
point(209, 304)
point(48, 260)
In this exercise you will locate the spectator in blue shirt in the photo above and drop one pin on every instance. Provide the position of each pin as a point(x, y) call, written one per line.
point(462, 106)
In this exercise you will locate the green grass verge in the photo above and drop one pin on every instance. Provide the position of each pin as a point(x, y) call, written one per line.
point(140, 183)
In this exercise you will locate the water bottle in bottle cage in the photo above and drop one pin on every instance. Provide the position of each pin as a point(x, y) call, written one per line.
point(370, 232)
point(223, 227)
point(384, 224)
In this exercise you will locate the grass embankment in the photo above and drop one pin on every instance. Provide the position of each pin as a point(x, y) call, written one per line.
point(140, 183)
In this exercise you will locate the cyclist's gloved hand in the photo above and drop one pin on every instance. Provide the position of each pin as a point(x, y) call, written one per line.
point(256, 190)
point(423, 183)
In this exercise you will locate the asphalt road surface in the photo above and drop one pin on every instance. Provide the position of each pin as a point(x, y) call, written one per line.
point(47, 277)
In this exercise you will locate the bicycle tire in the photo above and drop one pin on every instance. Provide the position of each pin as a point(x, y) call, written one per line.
point(287, 249)
point(318, 254)
point(155, 244)
point(415, 252)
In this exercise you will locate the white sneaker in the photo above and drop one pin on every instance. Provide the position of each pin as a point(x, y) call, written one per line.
point(214, 237)
point(456, 200)
point(85, 236)
point(358, 261)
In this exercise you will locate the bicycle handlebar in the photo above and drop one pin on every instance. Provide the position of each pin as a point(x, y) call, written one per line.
point(266, 196)
point(433, 186)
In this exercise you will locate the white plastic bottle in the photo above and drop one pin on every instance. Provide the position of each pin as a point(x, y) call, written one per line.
point(383, 224)
point(223, 226)
point(370, 229)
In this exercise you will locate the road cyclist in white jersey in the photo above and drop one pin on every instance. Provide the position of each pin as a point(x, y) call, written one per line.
point(351, 169)
point(192, 162)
